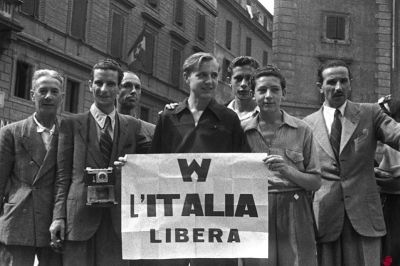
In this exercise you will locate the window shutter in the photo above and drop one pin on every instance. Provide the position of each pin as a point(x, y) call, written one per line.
point(149, 53)
point(341, 28)
point(30, 7)
point(265, 58)
point(153, 3)
point(248, 46)
point(23, 80)
point(175, 66)
point(78, 21)
point(116, 35)
point(331, 27)
point(228, 39)
point(72, 96)
point(201, 26)
point(179, 5)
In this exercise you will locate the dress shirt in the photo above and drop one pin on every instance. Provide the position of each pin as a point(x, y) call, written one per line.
point(329, 115)
point(243, 116)
point(45, 133)
point(218, 130)
point(293, 140)
point(100, 119)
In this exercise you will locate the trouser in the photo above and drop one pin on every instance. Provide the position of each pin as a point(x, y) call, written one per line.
point(13, 255)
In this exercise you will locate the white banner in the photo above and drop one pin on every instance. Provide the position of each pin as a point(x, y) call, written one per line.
point(204, 205)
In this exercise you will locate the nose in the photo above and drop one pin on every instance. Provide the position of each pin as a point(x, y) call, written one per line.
point(268, 94)
point(103, 87)
point(338, 86)
point(244, 84)
point(48, 95)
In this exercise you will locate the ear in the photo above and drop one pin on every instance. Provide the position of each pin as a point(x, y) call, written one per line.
point(319, 86)
point(33, 96)
point(284, 94)
point(90, 83)
point(185, 77)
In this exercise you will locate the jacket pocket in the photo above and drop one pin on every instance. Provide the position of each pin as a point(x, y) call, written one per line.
point(296, 158)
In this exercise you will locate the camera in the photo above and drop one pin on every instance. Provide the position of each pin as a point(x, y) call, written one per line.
point(100, 187)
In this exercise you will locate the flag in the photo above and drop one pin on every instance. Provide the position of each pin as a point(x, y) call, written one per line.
point(136, 55)
point(249, 9)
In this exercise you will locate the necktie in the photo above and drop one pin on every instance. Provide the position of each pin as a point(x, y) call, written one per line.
point(106, 141)
point(336, 133)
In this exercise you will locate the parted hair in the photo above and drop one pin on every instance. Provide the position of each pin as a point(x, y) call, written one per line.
point(266, 71)
point(195, 60)
point(329, 64)
point(243, 61)
point(46, 72)
point(108, 64)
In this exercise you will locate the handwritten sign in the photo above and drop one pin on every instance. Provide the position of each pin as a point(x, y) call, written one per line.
point(195, 206)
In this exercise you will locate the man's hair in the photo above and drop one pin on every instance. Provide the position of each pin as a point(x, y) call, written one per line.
point(195, 60)
point(46, 72)
point(266, 71)
point(243, 61)
point(108, 64)
point(329, 64)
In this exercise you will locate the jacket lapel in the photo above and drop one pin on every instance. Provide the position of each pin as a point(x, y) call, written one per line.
point(350, 121)
point(32, 142)
point(90, 139)
point(321, 134)
point(50, 160)
point(122, 130)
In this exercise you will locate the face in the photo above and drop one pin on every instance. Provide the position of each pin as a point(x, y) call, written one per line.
point(130, 92)
point(335, 86)
point(240, 82)
point(269, 93)
point(47, 95)
point(203, 81)
point(104, 87)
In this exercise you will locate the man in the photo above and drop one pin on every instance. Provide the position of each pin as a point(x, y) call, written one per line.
point(28, 151)
point(347, 206)
point(129, 98)
point(240, 71)
point(93, 139)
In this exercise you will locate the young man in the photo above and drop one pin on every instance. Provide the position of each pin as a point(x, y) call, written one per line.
point(93, 139)
point(240, 71)
point(28, 151)
point(198, 124)
point(129, 98)
point(347, 207)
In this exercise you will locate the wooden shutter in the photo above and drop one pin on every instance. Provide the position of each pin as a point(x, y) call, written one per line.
point(153, 3)
point(248, 46)
point(149, 53)
point(78, 20)
point(175, 66)
point(30, 7)
point(341, 28)
point(331, 27)
point(117, 35)
point(265, 58)
point(179, 5)
point(201, 26)
point(23, 80)
point(228, 37)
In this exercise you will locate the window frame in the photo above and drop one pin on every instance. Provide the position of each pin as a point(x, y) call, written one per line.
point(346, 32)
point(78, 95)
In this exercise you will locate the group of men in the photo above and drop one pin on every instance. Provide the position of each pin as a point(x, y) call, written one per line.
point(42, 172)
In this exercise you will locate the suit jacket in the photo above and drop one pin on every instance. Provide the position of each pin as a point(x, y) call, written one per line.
point(27, 174)
point(148, 129)
point(349, 186)
point(78, 149)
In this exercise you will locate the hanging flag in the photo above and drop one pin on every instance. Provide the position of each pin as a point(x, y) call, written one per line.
point(140, 56)
point(249, 8)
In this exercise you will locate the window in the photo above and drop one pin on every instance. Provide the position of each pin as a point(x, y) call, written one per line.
point(265, 58)
point(176, 58)
point(23, 80)
point(228, 36)
point(336, 28)
point(78, 18)
point(143, 52)
point(31, 7)
point(248, 46)
point(224, 71)
point(144, 113)
point(178, 18)
point(117, 32)
point(153, 3)
point(201, 26)
point(72, 96)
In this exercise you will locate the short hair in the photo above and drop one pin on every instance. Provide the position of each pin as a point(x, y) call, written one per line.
point(46, 72)
point(266, 71)
point(195, 60)
point(108, 64)
point(329, 64)
point(243, 61)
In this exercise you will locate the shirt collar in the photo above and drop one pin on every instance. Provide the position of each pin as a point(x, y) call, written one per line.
point(331, 111)
point(232, 106)
point(213, 106)
point(253, 123)
point(40, 128)
point(100, 117)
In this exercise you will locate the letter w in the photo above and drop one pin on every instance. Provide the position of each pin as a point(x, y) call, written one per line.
point(187, 170)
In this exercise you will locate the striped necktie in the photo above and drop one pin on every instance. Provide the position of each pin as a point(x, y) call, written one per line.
point(336, 133)
point(106, 142)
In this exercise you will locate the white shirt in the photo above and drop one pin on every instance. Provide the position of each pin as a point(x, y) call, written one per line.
point(329, 115)
point(45, 133)
point(243, 116)
point(100, 119)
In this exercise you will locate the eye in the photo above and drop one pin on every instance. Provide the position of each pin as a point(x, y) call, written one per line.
point(98, 83)
point(214, 75)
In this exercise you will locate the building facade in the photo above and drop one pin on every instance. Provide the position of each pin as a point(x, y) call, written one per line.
point(70, 36)
point(362, 33)
point(244, 27)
